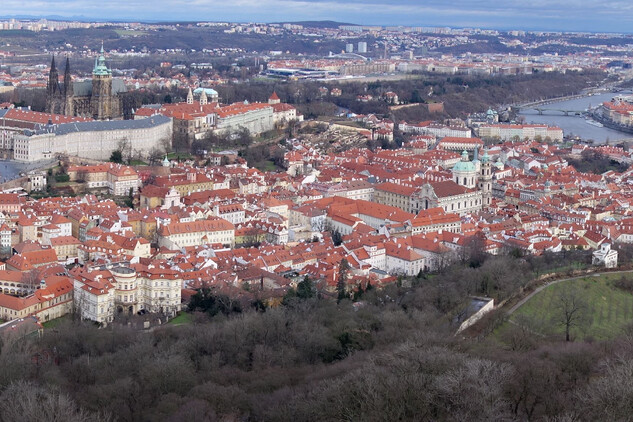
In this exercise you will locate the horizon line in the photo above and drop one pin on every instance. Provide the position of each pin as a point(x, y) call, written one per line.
point(85, 19)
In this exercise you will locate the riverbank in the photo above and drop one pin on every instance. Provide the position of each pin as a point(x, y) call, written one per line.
point(573, 125)
point(598, 117)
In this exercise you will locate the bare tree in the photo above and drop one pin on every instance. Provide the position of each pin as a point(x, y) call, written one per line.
point(608, 396)
point(165, 144)
point(137, 155)
point(520, 335)
point(25, 401)
point(125, 147)
point(252, 237)
point(571, 310)
point(154, 156)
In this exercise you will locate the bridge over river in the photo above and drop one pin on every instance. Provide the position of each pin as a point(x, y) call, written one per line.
point(538, 106)
point(555, 111)
point(565, 113)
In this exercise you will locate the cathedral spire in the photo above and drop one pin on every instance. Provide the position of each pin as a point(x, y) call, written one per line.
point(53, 78)
point(68, 82)
point(190, 97)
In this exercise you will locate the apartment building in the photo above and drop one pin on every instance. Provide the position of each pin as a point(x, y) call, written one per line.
point(196, 233)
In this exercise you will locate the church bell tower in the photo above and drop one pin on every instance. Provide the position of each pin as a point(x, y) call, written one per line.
point(485, 180)
point(101, 100)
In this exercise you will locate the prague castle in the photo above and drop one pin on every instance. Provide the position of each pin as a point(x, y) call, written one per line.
point(99, 98)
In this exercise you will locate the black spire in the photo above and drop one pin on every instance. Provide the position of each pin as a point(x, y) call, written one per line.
point(53, 78)
point(68, 82)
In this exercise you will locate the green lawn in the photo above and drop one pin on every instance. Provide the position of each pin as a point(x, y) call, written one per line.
point(55, 322)
point(610, 309)
point(182, 318)
point(138, 163)
point(266, 166)
point(181, 155)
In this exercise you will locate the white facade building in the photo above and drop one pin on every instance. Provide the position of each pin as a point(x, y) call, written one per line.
point(257, 118)
point(605, 256)
point(102, 293)
point(508, 132)
point(95, 140)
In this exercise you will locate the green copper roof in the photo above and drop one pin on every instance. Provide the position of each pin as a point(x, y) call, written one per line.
point(100, 66)
point(465, 165)
point(486, 157)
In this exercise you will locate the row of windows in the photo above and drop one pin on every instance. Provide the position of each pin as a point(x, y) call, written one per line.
point(465, 204)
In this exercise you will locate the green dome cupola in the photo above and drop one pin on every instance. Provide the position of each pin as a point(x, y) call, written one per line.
point(100, 68)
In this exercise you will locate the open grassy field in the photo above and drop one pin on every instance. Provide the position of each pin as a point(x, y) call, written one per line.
point(265, 165)
point(182, 318)
point(179, 155)
point(55, 322)
point(610, 309)
point(130, 33)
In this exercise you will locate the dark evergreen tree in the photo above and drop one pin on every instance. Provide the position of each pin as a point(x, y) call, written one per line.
point(305, 288)
point(341, 283)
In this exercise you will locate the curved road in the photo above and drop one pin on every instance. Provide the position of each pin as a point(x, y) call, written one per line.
point(546, 285)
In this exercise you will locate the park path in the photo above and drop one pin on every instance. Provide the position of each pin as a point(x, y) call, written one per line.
point(546, 285)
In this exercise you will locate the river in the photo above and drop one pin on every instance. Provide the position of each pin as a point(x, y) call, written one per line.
point(576, 125)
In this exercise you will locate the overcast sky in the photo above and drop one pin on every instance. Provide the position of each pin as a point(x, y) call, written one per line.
point(562, 15)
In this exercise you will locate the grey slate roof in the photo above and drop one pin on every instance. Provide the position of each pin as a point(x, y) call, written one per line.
point(97, 126)
point(84, 88)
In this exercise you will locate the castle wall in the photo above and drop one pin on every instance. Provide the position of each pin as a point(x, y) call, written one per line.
point(93, 144)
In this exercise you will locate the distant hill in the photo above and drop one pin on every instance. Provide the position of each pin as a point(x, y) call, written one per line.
point(318, 24)
point(82, 18)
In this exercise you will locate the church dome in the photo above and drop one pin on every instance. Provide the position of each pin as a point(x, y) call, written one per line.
point(465, 165)
point(208, 91)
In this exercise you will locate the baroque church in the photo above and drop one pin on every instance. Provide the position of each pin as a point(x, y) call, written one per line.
point(468, 192)
point(99, 98)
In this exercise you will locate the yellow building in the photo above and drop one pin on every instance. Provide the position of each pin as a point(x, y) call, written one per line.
point(52, 300)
